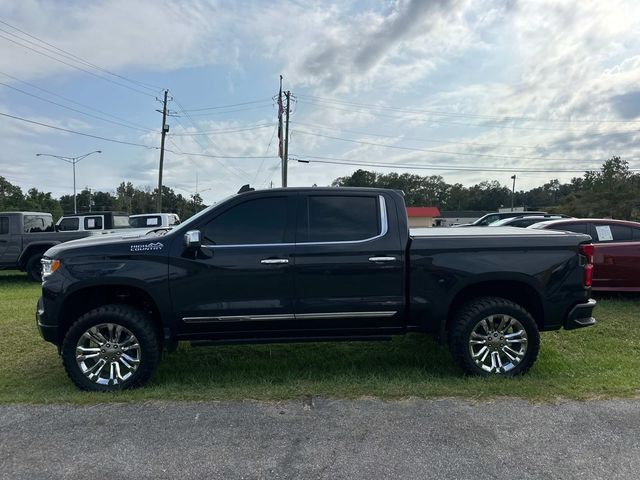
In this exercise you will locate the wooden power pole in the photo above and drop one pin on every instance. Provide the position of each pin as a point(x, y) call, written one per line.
point(165, 129)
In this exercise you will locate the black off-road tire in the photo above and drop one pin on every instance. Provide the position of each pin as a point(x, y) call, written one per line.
point(33, 267)
point(471, 314)
point(137, 322)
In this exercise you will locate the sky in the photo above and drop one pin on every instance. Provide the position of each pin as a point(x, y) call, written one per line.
point(469, 90)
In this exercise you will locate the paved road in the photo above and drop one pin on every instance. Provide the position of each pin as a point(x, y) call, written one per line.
point(323, 438)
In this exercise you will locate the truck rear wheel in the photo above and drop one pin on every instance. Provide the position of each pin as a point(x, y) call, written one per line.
point(493, 336)
point(110, 348)
point(33, 267)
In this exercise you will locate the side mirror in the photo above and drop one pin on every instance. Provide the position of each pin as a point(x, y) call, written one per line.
point(192, 239)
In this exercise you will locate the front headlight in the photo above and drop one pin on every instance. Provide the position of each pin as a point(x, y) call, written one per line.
point(49, 266)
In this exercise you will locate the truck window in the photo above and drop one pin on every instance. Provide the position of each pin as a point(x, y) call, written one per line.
point(121, 221)
point(573, 227)
point(146, 221)
point(69, 224)
point(93, 223)
point(621, 233)
point(38, 223)
point(4, 225)
point(339, 218)
point(259, 221)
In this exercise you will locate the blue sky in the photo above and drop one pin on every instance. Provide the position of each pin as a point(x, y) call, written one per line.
point(454, 88)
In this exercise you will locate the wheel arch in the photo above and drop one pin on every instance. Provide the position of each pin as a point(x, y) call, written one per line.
point(517, 290)
point(86, 298)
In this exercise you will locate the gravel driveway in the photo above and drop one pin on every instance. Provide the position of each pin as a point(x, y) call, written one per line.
point(323, 438)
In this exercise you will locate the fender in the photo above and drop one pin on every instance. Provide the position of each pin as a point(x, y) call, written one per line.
point(43, 245)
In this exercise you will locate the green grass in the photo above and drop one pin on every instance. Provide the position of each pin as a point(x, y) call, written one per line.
point(602, 361)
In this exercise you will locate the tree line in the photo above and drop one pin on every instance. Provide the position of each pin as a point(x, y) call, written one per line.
point(126, 198)
point(613, 191)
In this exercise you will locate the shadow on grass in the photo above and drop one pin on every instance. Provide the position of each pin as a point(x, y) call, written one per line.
point(14, 278)
point(336, 364)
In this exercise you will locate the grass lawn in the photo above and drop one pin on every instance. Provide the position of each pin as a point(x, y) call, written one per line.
point(602, 361)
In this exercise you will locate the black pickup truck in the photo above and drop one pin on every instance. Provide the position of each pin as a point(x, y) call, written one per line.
point(25, 236)
point(310, 264)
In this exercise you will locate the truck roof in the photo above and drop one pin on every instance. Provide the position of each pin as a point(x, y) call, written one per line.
point(25, 213)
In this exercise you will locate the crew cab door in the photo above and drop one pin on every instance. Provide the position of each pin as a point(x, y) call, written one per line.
point(349, 263)
point(241, 279)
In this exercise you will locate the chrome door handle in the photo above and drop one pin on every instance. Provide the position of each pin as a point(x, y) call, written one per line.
point(382, 259)
point(274, 261)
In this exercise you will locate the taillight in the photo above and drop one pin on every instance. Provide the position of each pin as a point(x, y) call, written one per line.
point(587, 251)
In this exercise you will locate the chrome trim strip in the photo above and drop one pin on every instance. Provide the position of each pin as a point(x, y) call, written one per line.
point(300, 316)
point(384, 222)
point(238, 318)
point(313, 316)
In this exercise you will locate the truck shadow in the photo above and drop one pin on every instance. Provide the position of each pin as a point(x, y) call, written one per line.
point(14, 278)
point(336, 365)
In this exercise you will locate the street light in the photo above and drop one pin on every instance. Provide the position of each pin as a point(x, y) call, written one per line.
point(72, 161)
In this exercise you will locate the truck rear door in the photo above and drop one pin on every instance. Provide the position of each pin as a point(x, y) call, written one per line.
point(349, 262)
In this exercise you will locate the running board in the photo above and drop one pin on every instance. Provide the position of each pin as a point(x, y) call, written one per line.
point(255, 341)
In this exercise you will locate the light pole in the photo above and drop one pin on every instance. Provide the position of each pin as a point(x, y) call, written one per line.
point(72, 161)
point(513, 191)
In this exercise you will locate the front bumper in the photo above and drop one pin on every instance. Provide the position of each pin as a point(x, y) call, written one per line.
point(48, 332)
point(580, 315)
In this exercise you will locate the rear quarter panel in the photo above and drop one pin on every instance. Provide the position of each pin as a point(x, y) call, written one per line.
point(441, 267)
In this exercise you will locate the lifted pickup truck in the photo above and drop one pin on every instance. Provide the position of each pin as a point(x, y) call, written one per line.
point(310, 264)
point(25, 236)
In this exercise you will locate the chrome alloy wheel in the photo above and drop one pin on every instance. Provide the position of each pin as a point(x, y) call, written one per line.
point(498, 343)
point(108, 354)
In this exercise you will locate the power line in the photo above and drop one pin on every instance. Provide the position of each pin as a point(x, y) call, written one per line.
point(228, 111)
point(73, 109)
point(443, 122)
point(467, 154)
point(465, 168)
point(107, 139)
point(88, 107)
point(230, 170)
point(223, 130)
point(464, 115)
point(415, 139)
point(77, 67)
point(225, 106)
point(71, 56)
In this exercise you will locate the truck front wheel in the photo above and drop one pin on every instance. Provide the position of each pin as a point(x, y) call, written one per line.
point(33, 267)
point(110, 348)
point(493, 336)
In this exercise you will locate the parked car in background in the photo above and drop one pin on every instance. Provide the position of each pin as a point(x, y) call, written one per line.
point(495, 216)
point(525, 220)
point(616, 265)
point(25, 236)
point(151, 220)
point(92, 221)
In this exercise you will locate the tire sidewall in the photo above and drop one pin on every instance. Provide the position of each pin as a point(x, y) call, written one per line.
point(33, 267)
point(129, 318)
point(506, 308)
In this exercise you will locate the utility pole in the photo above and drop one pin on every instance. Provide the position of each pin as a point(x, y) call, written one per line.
point(285, 160)
point(513, 191)
point(165, 129)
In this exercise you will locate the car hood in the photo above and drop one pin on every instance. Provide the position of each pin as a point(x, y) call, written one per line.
point(138, 239)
